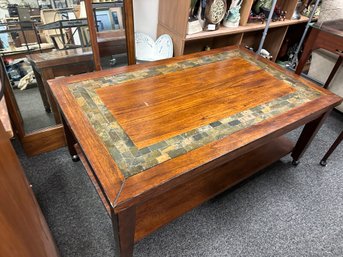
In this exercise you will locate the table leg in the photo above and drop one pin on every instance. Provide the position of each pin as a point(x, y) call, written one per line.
point(124, 224)
point(309, 47)
point(306, 137)
point(41, 89)
point(70, 139)
point(334, 70)
point(332, 148)
point(46, 75)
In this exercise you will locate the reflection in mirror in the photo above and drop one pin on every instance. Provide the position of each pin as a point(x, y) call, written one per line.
point(109, 20)
point(54, 43)
point(49, 44)
point(27, 95)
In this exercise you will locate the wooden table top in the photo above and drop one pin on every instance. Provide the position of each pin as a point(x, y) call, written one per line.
point(149, 124)
point(333, 26)
point(20, 52)
point(61, 57)
point(111, 35)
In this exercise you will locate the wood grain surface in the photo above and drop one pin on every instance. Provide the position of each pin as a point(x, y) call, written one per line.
point(43, 140)
point(164, 208)
point(23, 229)
point(168, 105)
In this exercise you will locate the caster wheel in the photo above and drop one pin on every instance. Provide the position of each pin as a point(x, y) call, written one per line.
point(75, 158)
point(48, 110)
point(323, 163)
point(295, 163)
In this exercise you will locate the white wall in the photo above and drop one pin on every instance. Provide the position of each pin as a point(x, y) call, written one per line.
point(331, 10)
point(146, 16)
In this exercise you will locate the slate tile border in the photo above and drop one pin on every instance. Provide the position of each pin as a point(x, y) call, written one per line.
point(132, 160)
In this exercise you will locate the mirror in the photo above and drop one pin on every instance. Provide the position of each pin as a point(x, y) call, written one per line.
point(34, 45)
point(111, 34)
point(42, 44)
point(28, 96)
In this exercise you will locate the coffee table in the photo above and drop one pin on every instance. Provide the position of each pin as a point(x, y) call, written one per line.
point(159, 139)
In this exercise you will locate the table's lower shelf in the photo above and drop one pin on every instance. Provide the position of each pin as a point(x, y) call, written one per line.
point(92, 177)
point(162, 209)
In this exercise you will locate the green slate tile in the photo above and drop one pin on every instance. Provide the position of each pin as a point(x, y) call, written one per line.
point(215, 124)
point(132, 160)
point(175, 153)
point(234, 123)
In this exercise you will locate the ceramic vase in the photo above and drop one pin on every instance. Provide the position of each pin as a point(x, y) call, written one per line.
point(233, 16)
point(296, 15)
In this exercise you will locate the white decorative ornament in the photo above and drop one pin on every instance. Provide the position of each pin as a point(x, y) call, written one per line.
point(217, 11)
point(265, 54)
point(3, 4)
point(233, 16)
point(149, 50)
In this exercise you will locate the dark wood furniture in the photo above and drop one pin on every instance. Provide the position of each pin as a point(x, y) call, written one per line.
point(111, 42)
point(59, 63)
point(161, 138)
point(24, 231)
point(5, 119)
point(329, 36)
point(331, 149)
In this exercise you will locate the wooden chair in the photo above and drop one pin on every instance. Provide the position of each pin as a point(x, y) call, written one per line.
point(329, 37)
point(332, 148)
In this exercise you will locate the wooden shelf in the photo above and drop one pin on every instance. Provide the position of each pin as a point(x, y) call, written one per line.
point(222, 31)
point(173, 20)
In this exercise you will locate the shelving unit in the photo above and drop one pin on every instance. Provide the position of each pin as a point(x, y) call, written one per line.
point(27, 34)
point(173, 18)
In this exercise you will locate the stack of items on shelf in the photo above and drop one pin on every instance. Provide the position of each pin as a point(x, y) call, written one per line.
point(261, 10)
point(307, 7)
point(207, 15)
point(217, 23)
point(290, 44)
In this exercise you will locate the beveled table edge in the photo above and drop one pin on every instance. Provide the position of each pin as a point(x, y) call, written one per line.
point(149, 182)
point(85, 56)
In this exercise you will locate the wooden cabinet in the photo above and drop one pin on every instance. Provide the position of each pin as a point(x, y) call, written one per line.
point(23, 230)
point(173, 18)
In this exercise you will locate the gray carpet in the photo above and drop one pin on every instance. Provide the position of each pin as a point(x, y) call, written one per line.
point(32, 109)
point(283, 211)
